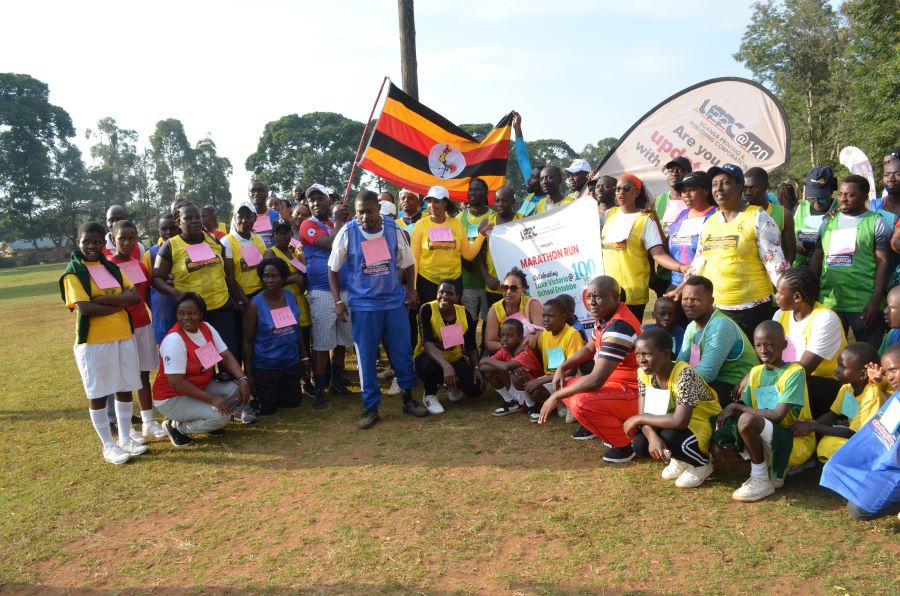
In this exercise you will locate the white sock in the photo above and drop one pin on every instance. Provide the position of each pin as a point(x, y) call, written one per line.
point(524, 397)
point(101, 424)
point(147, 416)
point(123, 420)
point(503, 392)
point(760, 471)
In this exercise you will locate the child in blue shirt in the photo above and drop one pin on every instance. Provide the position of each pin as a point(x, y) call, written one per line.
point(665, 312)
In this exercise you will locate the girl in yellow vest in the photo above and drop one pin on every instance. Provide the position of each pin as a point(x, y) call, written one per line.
point(244, 249)
point(446, 353)
point(740, 252)
point(814, 332)
point(775, 395)
point(515, 303)
point(858, 400)
point(675, 406)
point(628, 234)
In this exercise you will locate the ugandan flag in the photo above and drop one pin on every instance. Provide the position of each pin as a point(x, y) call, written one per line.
point(414, 147)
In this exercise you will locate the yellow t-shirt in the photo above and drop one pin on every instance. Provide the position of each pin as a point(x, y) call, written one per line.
point(858, 409)
point(568, 340)
point(545, 204)
point(439, 260)
point(105, 328)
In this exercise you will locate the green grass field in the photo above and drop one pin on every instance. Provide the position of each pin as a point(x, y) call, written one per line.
point(303, 501)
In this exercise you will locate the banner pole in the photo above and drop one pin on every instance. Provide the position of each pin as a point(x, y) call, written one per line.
point(362, 140)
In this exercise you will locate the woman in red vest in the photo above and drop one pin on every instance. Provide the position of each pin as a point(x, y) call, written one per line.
point(184, 390)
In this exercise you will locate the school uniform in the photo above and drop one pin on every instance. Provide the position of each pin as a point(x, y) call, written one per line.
point(377, 301)
point(144, 338)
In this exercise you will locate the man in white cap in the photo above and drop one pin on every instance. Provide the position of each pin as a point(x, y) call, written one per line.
point(577, 176)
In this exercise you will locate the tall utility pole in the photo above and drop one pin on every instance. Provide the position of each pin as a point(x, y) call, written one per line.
point(408, 48)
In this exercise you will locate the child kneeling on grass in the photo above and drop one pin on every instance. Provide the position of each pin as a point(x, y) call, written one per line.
point(105, 351)
point(510, 359)
point(558, 342)
point(676, 406)
point(775, 395)
point(858, 400)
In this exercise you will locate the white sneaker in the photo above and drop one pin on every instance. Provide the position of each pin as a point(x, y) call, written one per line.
point(694, 476)
point(808, 464)
point(675, 469)
point(562, 411)
point(394, 388)
point(455, 394)
point(137, 437)
point(153, 431)
point(570, 417)
point(386, 374)
point(432, 404)
point(778, 482)
point(753, 489)
point(115, 454)
point(133, 447)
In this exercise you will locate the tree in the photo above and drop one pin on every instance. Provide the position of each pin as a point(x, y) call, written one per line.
point(112, 176)
point(206, 180)
point(550, 152)
point(67, 201)
point(33, 138)
point(316, 147)
point(796, 47)
point(172, 157)
point(595, 153)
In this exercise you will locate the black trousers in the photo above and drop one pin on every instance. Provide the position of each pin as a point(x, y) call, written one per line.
point(680, 442)
point(432, 375)
point(749, 318)
point(277, 388)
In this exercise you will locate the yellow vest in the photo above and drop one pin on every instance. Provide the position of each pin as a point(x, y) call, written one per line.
point(501, 312)
point(699, 424)
point(302, 302)
point(803, 446)
point(206, 278)
point(627, 262)
point(437, 322)
point(826, 367)
point(545, 204)
point(732, 259)
point(245, 275)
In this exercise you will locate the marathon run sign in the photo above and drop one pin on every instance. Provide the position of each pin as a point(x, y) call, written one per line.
point(726, 120)
point(558, 250)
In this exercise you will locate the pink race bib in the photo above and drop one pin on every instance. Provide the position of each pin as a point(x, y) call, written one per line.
point(208, 355)
point(133, 270)
point(251, 255)
point(440, 234)
point(376, 251)
point(451, 335)
point(283, 317)
point(298, 265)
point(103, 278)
point(695, 355)
point(262, 223)
point(199, 252)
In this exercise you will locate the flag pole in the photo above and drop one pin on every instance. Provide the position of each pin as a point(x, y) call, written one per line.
point(362, 140)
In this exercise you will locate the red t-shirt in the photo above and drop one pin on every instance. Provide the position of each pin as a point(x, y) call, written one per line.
point(527, 358)
point(614, 340)
point(311, 231)
point(140, 316)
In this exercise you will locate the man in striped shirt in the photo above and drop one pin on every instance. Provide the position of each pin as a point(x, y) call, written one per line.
point(604, 399)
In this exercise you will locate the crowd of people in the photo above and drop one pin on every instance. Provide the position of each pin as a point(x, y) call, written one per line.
point(747, 356)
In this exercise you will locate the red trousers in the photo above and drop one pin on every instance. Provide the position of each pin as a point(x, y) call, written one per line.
point(604, 411)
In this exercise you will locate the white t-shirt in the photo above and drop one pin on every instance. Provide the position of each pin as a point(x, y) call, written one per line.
point(338, 255)
point(174, 353)
point(826, 334)
point(649, 238)
point(226, 246)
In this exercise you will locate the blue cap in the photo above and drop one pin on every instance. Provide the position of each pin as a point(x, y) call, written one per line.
point(820, 183)
point(727, 168)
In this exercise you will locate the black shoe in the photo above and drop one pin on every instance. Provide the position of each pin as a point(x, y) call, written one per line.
point(583, 434)
point(413, 408)
point(368, 420)
point(507, 408)
point(319, 400)
point(309, 390)
point(619, 455)
point(178, 438)
point(534, 413)
point(340, 389)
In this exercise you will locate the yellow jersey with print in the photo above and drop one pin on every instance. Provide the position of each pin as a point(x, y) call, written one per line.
point(545, 205)
point(205, 277)
point(103, 328)
point(705, 399)
point(624, 255)
point(439, 248)
point(732, 258)
point(556, 349)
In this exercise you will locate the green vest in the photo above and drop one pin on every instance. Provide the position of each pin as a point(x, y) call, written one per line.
point(471, 276)
point(849, 280)
point(802, 231)
point(776, 212)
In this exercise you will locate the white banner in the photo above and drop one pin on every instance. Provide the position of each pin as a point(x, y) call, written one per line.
point(727, 120)
point(856, 161)
point(558, 250)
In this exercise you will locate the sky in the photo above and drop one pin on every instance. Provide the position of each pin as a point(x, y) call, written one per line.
point(577, 71)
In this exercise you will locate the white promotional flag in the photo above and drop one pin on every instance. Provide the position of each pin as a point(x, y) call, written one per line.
point(559, 251)
point(726, 120)
point(858, 163)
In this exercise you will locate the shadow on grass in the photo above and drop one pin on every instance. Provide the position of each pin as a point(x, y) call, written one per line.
point(29, 291)
point(44, 415)
point(335, 588)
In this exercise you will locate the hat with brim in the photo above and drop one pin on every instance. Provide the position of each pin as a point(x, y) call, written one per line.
point(820, 183)
point(282, 223)
point(681, 162)
point(729, 169)
point(698, 179)
point(244, 204)
point(315, 188)
point(437, 192)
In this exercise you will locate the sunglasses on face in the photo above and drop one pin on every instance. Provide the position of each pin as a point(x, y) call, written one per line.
point(506, 288)
point(623, 188)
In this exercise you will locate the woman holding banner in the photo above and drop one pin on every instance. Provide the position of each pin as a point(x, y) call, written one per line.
point(439, 243)
point(515, 303)
point(628, 235)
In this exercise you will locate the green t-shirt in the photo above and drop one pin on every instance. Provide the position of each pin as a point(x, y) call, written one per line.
point(794, 387)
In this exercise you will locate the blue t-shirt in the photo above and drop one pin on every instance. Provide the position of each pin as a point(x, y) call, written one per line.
point(677, 334)
point(275, 348)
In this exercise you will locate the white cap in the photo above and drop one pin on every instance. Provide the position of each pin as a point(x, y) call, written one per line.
point(406, 191)
point(387, 208)
point(316, 187)
point(244, 203)
point(438, 192)
point(579, 165)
